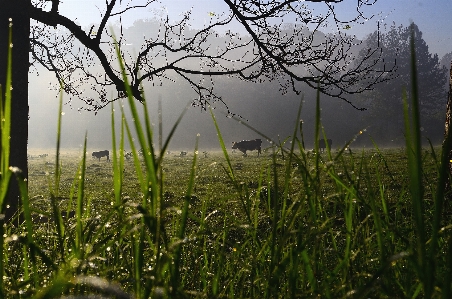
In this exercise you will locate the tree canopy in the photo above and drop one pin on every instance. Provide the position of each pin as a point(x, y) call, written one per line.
point(268, 50)
point(385, 100)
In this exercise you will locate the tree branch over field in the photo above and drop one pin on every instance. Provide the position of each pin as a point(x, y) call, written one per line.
point(278, 40)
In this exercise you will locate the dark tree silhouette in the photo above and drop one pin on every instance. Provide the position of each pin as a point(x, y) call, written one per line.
point(269, 50)
point(385, 100)
point(447, 146)
point(19, 106)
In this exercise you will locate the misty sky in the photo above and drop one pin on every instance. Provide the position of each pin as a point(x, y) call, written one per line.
point(432, 17)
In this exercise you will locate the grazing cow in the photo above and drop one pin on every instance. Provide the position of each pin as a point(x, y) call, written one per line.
point(101, 154)
point(322, 145)
point(248, 145)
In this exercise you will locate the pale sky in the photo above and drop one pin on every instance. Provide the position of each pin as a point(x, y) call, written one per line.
point(432, 16)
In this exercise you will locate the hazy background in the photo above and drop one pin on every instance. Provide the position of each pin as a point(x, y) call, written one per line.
point(261, 106)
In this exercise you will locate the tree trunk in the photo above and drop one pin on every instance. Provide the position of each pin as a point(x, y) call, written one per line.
point(447, 191)
point(17, 10)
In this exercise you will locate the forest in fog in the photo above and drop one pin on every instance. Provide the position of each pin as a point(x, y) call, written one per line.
point(266, 106)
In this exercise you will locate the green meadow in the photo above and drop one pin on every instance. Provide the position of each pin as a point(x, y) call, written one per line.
point(343, 228)
point(292, 223)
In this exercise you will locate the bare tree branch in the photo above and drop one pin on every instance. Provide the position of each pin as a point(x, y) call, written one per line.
point(291, 54)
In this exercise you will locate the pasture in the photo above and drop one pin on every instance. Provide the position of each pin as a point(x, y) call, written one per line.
point(330, 225)
point(212, 184)
point(291, 223)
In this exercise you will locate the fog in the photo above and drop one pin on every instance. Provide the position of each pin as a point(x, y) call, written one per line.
point(262, 106)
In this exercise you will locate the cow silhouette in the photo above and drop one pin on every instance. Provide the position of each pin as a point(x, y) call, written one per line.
point(101, 154)
point(322, 144)
point(248, 145)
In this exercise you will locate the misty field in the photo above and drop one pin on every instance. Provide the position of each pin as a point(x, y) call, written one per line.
point(212, 185)
point(292, 223)
point(286, 226)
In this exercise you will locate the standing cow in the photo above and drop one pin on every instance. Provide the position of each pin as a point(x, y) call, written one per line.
point(322, 145)
point(101, 154)
point(248, 145)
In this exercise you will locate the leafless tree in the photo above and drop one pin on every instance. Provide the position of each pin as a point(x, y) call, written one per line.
point(266, 49)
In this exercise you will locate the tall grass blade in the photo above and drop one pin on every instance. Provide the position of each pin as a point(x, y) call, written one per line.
point(183, 222)
point(5, 173)
point(23, 187)
point(57, 219)
point(118, 166)
point(230, 170)
point(6, 128)
point(79, 242)
point(413, 147)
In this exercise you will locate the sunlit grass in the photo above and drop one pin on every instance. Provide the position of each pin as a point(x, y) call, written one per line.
point(292, 223)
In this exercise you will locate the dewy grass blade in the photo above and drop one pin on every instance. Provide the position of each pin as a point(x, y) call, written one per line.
point(6, 128)
point(118, 166)
point(230, 170)
point(413, 147)
point(23, 187)
point(56, 186)
point(5, 173)
point(183, 221)
point(137, 163)
point(79, 242)
point(145, 140)
point(57, 219)
point(172, 131)
point(287, 177)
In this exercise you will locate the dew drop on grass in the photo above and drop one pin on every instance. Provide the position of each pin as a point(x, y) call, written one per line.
point(63, 113)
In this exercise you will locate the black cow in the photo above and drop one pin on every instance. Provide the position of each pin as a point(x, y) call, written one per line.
point(322, 145)
point(248, 145)
point(101, 154)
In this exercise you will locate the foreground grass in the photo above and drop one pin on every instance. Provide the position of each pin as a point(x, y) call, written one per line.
point(343, 229)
